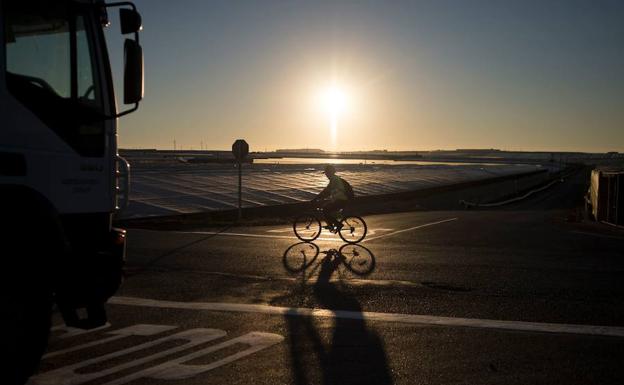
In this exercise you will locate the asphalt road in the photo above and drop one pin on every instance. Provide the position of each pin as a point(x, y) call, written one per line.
point(517, 295)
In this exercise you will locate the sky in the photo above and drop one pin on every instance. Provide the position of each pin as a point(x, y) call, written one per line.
point(415, 75)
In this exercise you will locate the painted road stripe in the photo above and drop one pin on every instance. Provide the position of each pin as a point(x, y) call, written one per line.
point(608, 331)
point(69, 332)
point(343, 280)
point(248, 235)
point(73, 374)
point(410, 229)
point(180, 369)
point(237, 234)
point(136, 330)
point(286, 230)
point(336, 238)
point(370, 231)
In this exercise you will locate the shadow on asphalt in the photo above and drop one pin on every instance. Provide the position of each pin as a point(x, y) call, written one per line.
point(348, 352)
point(301, 258)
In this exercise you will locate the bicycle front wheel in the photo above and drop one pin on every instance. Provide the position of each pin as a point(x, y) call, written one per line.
point(358, 259)
point(307, 228)
point(353, 229)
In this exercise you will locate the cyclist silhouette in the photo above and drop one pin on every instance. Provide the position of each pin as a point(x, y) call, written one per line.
point(334, 198)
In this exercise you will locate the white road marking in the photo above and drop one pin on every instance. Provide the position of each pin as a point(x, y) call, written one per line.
point(344, 280)
point(335, 238)
point(69, 375)
point(375, 231)
point(410, 229)
point(249, 235)
point(177, 370)
point(594, 330)
point(370, 231)
point(72, 332)
point(237, 234)
point(136, 330)
point(286, 230)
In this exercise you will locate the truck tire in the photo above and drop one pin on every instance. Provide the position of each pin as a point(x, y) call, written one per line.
point(30, 327)
point(31, 241)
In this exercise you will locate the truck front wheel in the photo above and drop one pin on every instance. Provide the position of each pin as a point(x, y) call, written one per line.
point(29, 324)
point(31, 241)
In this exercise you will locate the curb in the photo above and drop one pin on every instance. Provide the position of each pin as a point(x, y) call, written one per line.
point(559, 179)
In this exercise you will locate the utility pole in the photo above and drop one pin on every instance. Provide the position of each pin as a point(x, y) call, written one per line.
point(174, 144)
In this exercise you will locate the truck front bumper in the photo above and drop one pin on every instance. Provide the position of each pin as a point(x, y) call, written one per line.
point(88, 279)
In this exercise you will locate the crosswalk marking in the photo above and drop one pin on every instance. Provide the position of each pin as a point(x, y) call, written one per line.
point(174, 368)
point(177, 369)
point(136, 330)
point(68, 332)
point(69, 375)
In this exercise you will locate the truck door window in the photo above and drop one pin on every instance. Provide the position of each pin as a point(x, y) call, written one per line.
point(37, 52)
point(50, 69)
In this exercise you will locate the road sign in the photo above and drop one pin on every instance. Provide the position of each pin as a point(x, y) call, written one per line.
point(240, 149)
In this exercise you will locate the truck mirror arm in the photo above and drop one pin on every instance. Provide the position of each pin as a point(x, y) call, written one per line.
point(126, 112)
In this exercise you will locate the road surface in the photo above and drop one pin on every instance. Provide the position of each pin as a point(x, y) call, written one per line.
point(516, 295)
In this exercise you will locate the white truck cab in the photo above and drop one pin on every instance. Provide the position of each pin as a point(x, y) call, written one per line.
point(61, 178)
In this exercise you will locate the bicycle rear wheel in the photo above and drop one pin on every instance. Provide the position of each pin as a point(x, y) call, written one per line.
point(353, 229)
point(300, 256)
point(307, 228)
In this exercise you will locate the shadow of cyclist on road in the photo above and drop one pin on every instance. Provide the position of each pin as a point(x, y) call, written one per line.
point(347, 352)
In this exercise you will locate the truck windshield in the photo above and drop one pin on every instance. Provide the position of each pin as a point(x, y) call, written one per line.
point(50, 68)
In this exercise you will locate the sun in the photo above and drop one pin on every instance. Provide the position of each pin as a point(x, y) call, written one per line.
point(334, 102)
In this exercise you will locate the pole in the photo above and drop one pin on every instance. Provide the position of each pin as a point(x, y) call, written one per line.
point(240, 190)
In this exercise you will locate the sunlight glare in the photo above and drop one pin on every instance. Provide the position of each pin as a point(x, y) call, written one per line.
point(334, 102)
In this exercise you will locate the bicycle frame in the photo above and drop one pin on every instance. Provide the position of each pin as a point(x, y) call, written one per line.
point(316, 217)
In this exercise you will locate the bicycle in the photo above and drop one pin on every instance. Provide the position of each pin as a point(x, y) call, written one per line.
point(308, 227)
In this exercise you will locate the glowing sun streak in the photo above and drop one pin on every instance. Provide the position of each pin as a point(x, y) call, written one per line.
point(334, 102)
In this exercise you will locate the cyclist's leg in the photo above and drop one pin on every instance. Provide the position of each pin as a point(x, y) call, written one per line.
point(330, 210)
point(340, 205)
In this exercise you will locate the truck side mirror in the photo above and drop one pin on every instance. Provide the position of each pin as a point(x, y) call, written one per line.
point(133, 72)
point(130, 21)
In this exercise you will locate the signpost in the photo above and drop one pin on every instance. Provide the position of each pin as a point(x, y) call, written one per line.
point(240, 149)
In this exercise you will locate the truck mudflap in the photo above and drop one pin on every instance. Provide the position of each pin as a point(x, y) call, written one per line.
point(86, 282)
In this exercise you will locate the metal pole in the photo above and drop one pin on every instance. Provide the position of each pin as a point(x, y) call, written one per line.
point(617, 199)
point(240, 190)
point(608, 198)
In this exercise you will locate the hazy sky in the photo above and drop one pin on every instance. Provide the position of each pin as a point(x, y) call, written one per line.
point(517, 75)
